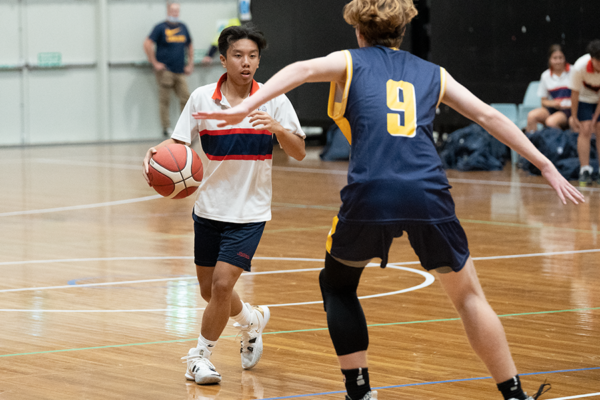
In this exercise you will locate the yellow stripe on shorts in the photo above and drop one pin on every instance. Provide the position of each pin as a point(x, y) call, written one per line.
point(331, 232)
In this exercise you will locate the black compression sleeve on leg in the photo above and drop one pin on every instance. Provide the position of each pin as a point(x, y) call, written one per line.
point(345, 318)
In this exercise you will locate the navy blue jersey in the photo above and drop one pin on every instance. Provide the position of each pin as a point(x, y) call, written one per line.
point(386, 112)
point(171, 41)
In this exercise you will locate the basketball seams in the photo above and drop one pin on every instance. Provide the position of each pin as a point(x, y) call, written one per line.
point(172, 171)
point(176, 161)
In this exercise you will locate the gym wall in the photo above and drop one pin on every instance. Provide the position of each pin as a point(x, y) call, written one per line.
point(75, 70)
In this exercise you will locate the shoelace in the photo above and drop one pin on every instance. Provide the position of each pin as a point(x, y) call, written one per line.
point(199, 357)
point(542, 390)
point(244, 331)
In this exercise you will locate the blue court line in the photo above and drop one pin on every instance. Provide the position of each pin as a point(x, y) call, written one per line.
point(433, 383)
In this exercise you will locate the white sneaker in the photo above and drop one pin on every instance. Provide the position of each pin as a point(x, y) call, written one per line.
point(252, 345)
point(199, 368)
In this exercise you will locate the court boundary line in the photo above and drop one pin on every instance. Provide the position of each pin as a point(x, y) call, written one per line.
point(80, 207)
point(429, 279)
point(292, 331)
point(451, 381)
point(275, 168)
point(451, 180)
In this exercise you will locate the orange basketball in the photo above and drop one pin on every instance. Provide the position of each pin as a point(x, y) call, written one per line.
point(175, 171)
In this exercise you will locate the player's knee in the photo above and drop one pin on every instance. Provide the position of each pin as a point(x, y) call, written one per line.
point(205, 293)
point(340, 277)
point(533, 116)
point(205, 289)
point(221, 289)
point(337, 279)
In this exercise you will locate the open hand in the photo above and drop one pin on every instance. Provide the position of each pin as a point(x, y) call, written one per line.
point(261, 118)
point(231, 116)
point(563, 188)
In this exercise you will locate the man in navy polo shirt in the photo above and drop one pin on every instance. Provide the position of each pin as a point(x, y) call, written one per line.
point(171, 39)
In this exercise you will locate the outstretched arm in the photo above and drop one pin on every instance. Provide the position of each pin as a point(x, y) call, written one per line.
point(462, 100)
point(331, 68)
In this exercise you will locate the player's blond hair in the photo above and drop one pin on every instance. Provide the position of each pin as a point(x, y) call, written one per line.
point(380, 22)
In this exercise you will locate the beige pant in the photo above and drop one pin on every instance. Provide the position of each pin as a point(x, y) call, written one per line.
point(168, 81)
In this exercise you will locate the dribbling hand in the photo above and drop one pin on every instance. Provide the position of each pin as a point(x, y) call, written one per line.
point(151, 151)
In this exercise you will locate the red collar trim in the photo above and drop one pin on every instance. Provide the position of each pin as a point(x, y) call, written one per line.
point(217, 94)
point(590, 67)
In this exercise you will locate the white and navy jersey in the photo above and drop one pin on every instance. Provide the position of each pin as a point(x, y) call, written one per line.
point(386, 112)
point(553, 86)
point(585, 80)
point(237, 176)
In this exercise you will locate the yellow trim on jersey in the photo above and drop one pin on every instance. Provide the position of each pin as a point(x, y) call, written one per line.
point(331, 232)
point(336, 110)
point(442, 84)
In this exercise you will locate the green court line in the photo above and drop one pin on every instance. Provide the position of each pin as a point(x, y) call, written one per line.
point(536, 226)
point(294, 331)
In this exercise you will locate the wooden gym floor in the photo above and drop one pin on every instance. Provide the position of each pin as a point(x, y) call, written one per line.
point(98, 298)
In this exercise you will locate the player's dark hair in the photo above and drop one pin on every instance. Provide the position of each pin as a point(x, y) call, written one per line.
point(553, 48)
point(232, 34)
point(594, 49)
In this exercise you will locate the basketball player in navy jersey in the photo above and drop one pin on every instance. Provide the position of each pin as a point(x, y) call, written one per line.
point(384, 100)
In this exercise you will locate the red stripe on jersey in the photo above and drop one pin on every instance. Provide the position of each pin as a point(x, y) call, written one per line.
point(240, 157)
point(236, 131)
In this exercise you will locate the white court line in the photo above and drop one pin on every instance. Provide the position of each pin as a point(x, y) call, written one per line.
point(555, 253)
point(396, 265)
point(429, 279)
point(81, 207)
point(309, 170)
point(94, 164)
point(179, 278)
point(451, 180)
point(577, 397)
point(143, 258)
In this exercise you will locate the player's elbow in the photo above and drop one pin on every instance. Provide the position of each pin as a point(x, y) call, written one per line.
point(298, 152)
point(302, 70)
point(301, 154)
point(490, 118)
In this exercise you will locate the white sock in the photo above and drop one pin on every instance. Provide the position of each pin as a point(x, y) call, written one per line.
point(208, 344)
point(244, 317)
point(587, 168)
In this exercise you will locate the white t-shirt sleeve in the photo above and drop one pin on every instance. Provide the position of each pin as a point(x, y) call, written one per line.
point(186, 128)
point(576, 82)
point(285, 114)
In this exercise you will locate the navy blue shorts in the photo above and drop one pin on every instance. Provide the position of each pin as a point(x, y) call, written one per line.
point(585, 111)
point(225, 241)
point(567, 111)
point(437, 245)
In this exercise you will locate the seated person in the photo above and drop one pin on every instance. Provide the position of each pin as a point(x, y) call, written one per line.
point(555, 93)
point(585, 100)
